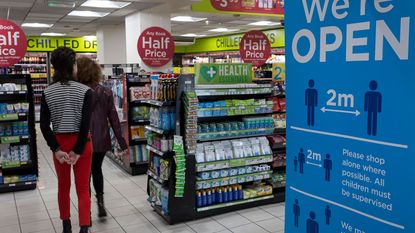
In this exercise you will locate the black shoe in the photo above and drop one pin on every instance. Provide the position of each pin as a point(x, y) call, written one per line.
point(67, 226)
point(101, 207)
point(84, 230)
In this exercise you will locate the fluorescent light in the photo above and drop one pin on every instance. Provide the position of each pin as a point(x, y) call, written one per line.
point(105, 4)
point(223, 30)
point(90, 38)
point(187, 19)
point(37, 25)
point(52, 34)
point(192, 35)
point(62, 4)
point(265, 23)
point(91, 14)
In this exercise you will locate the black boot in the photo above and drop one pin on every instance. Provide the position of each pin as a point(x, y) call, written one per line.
point(84, 230)
point(67, 227)
point(101, 207)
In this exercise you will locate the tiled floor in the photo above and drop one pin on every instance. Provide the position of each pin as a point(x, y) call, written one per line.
point(37, 210)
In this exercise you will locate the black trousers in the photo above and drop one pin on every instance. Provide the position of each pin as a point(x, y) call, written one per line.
point(96, 172)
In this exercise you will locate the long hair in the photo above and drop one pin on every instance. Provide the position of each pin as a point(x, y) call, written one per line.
point(63, 60)
point(89, 72)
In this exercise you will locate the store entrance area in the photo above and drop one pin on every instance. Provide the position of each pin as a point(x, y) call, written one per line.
point(128, 210)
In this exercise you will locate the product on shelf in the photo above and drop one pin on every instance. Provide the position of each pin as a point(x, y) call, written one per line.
point(277, 140)
point(14, 154)
point(6, 108)
point(234, 107)
point(140, 113)
point(162, 143)
point(137, 132)
point(248, 126)
point(13, 87)
point(232, 149)
point(16, 179)
point(163, 87)
point(278, 179)
point(163, 118)
point(191, 103)
point(280, 121)
point(180, 159)
point(160, 167)
point(279, 160)
point(140, 93)
point(159, 195)
point(138, 154)
point(14, 129)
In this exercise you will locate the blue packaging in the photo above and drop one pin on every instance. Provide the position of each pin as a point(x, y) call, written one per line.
point(3, 108)
point(204, 198)
point(219, 195)
point(225, 195)
point(8, 130)
point(198, 199)
point(209, 198)
point(241, 193)
point(235, 193)
point(214, 197)
point(165, 120)
point(172, 119)
point(1, 130)
point(25, 128)
point(16, 129)
point(230, 194)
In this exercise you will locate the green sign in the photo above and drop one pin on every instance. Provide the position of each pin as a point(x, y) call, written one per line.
point(9, 117)
point(230, 42)
point(223, 73)
point(245, 7)
point(11, 139)
point(86, 44)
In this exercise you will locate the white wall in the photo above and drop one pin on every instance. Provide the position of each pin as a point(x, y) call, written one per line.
point(111, 42)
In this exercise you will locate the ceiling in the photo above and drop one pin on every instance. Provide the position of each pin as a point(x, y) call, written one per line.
point(38, 11)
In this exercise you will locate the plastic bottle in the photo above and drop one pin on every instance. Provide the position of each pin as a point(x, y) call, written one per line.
point(235, 193)
point(220, 196)
point(230, 194)
point(225, 195)
point(204, 198)
point(240, 192)
point(209, 198)
point(198, 199)
point(214, 197)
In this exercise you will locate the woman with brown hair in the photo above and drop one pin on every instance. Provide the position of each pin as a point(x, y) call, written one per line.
point(89, 73)
point(67, 104)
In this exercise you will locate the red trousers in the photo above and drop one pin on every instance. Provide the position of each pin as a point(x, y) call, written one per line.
point(82, 172)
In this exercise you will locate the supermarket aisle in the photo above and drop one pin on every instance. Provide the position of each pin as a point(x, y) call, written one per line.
point(37, 211)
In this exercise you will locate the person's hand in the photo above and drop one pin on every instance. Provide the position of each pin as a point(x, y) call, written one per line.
point(73, 158)
point(61, 156)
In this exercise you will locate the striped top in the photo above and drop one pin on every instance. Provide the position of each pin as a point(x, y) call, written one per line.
point(65, 102)
point(68, 106)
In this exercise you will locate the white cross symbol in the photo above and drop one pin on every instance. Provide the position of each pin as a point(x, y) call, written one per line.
point(211, 72)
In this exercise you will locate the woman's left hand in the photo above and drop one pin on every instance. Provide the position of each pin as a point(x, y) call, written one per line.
point(73, 158)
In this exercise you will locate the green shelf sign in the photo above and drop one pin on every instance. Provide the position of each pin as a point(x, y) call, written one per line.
point(223, 73)
point(10, 164)
point(11, 139)
point(9, 117)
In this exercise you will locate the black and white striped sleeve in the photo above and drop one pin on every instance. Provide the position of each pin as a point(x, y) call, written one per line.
point(45, 119)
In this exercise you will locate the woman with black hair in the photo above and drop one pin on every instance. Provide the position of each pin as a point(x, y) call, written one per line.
point(67, 104)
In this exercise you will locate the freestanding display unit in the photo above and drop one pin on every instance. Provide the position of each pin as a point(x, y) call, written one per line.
point(18, 152)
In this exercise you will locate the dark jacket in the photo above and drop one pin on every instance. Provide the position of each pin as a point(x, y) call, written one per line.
point(103, 112)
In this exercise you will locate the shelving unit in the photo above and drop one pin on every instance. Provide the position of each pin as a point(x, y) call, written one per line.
point(185, 208)
point(18, 160)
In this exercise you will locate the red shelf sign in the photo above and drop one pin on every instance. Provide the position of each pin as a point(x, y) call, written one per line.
point(250, 6)
point(155, 46)
point(13, 43)
point(255, 48)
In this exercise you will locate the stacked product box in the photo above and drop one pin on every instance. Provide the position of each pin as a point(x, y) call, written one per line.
point(180, 159)
point(191, 110)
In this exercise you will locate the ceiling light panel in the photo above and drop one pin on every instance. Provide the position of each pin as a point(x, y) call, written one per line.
point(187, 19)
point(224, 30)
point(265, 23)
point(192, 35)
point(52, 34)
point(105, 4)
point(91, 14)
point(37, 25)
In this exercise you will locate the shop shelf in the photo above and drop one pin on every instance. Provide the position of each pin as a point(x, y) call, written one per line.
point(156, 130)
point(223, 205)
point(13, 117)
point(215, 165)
point(280, 130)
point(156, 177)
point(279, 147)
point(18, 186)
point(13, 92)
point(158, 152)
point(228, 118)
point(155, 102)
point(225, 181)
point(260, 90)
point(140, 122)
point(138, 141)
point(30, 64)
point(203, 137)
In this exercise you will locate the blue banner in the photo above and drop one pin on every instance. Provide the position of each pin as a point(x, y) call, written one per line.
point(351, 117)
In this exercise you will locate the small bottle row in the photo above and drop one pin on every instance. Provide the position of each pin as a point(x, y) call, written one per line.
point(14, 108)
point(33, 60)
point(163, 118)
point(16, 179)
point(138, 154)
point(220, 195)
point(14, 129)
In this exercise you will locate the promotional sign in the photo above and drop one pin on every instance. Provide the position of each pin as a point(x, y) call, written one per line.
point(351, 129)
point(155, 46)
point(250, 7)
point(223, 73)
point(255, 48)
point(13, 43)
point(87, 44)
point(230, 42)
point(278, 71)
